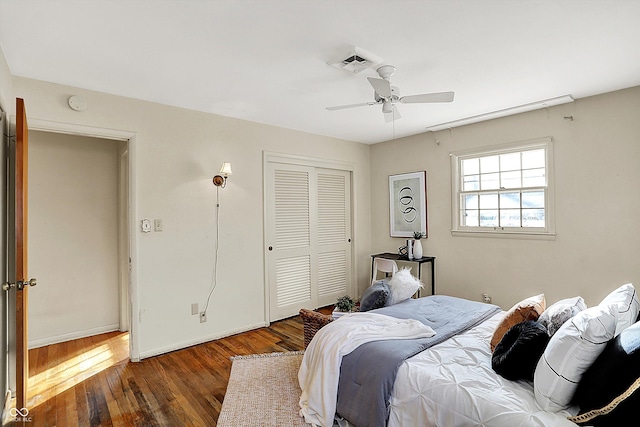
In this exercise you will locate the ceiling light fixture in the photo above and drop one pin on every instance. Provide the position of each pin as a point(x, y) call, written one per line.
point(502, 113)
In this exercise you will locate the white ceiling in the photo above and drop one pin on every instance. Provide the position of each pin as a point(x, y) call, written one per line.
point(266, 60)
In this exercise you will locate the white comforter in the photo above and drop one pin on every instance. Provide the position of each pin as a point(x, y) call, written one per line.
point(320, 368)
point(452, 384)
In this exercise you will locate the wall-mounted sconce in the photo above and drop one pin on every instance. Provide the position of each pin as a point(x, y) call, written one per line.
point(220, 180)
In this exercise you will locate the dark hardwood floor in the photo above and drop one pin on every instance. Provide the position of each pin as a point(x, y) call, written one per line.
point(90, 381)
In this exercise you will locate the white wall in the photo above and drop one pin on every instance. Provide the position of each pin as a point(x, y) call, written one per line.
point(596, 203)
point(73, 237)
point(176, 154)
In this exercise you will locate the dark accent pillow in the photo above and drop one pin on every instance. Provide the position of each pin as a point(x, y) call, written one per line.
point(517, 354)
point(613, 372)
point(375, 296)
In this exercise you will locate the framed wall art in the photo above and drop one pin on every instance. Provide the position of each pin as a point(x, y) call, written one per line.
point(408, 204)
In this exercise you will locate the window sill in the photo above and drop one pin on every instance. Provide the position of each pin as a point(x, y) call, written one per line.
point(505, 234)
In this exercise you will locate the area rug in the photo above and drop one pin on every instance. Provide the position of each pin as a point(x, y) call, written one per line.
point(263, 391)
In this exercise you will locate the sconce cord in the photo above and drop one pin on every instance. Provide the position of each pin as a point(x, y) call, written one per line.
point(214, 273)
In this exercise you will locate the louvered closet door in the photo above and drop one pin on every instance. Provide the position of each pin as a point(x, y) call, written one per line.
point(308, 227)
point(334, 234)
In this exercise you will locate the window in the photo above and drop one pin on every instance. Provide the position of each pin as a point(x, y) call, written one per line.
point(504, 190)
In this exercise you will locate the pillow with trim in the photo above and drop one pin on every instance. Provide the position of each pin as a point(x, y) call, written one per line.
point(610, 376)
point(570, 352)
point(527, 309)
point(559, 312)
point(626, 300)
point(375, 296)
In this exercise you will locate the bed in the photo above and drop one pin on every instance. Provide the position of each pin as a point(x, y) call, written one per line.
point(452, 382)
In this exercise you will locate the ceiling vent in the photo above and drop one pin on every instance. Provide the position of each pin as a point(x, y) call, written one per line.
point(356, 61)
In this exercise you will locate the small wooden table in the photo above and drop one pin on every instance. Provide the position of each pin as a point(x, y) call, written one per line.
point(419, 261)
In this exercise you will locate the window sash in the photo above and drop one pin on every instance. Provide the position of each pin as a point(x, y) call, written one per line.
point(504, 190)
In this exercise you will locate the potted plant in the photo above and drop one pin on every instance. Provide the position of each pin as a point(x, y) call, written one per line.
point(417, 245)
point(344, 305)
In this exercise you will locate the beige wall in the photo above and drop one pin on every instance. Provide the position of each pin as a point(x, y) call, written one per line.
point(73, 237)
point(596, 203)
point(176, 153)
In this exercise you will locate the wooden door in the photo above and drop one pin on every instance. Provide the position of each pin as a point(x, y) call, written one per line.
point(21, 280)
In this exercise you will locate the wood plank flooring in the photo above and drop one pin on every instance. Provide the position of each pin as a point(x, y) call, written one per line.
point(90, 382)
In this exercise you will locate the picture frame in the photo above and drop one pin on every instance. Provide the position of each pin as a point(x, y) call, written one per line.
point(408, 204)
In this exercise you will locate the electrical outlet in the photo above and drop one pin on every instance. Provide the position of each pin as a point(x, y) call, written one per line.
point(194, 308)
point(203, 317)
point(486, 298)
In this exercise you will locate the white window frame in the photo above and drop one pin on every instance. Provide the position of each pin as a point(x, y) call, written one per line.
point(546, 232)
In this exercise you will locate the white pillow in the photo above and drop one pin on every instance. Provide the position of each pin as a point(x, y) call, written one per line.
point(402, 286)
point(626, 301)
point(571, 350)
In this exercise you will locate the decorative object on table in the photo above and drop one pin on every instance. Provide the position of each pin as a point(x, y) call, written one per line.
point(417, 245)
point(409, 249)
point(402, 251)
point(408, 204)
point(344, 305)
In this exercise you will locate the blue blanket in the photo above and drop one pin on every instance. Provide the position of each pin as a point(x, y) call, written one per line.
point(368, 373)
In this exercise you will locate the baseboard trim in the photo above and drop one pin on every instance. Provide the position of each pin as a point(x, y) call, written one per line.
point(190, 343)
point(41, 342)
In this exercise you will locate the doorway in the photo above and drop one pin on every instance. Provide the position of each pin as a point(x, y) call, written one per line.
point(75, 246)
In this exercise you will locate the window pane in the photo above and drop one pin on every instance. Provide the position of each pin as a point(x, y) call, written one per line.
point(510, 162)
point(533, 218)
point(510, 217)
point(470, 183)
point(533, 159)
point(489, 164)
point(490, 181)
point(488, 218)
point(510, 179)
point(532, 199)
point(489, 201)
point(470, 201)
point(533, 178)
point(471, 166)
point(470, 218)
point(510, 200)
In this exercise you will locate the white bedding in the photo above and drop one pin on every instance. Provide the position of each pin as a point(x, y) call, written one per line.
point(452, 384)
point(320, 369)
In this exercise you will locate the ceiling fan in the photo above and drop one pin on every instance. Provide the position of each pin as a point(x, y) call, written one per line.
point(387, 95)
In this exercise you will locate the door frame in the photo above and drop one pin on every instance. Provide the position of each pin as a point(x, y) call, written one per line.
point(293, 159)
point(130, 139)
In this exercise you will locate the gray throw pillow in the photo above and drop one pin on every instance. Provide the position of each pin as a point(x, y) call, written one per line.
point(558, 313)
point(375, 296)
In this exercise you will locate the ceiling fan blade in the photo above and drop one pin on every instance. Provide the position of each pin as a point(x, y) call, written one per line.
point(392, 115)
point(381, 86)
point(428, 97)
point(342, 107)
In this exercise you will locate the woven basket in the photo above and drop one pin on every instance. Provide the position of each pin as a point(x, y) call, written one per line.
point(312, 321)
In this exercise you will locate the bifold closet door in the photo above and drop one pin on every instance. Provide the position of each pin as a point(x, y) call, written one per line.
point(308, 227)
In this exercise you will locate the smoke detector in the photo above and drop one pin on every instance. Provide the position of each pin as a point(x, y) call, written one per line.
point(356, 60)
